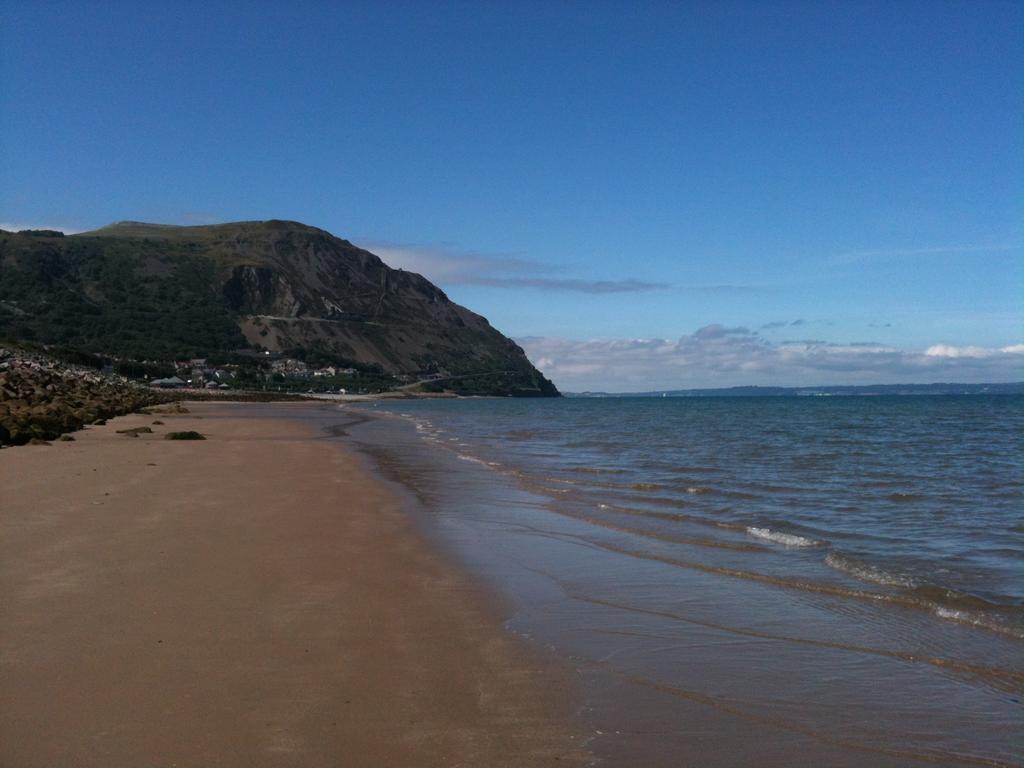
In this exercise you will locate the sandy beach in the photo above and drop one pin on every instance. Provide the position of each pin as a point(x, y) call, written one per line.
point(256, 599)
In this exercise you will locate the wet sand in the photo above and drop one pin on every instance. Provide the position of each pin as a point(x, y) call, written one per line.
point(256, 599)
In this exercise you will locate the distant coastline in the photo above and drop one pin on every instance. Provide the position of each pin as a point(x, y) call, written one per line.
point(859, 390)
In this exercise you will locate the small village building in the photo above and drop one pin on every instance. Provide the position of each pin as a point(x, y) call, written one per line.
point(172, 382)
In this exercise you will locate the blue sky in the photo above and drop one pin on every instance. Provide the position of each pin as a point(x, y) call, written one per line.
point(842, 181)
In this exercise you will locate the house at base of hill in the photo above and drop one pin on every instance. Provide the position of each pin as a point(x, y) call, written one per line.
point(172, 382)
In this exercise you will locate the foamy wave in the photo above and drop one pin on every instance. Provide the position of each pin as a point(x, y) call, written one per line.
point(785, 539)
point(697, 489)
point(867, 572)
point(473, 459)
point(976, 620)
point(955, 615)
point(426, 428)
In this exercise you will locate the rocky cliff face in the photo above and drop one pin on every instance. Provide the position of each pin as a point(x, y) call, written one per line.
point(274, 285)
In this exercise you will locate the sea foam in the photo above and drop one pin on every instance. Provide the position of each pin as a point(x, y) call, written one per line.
point(867, 572)
point(785, 539)
point(978, 620)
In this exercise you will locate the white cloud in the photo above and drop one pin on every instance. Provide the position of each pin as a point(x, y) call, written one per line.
point(945, 350)
point(719, 356)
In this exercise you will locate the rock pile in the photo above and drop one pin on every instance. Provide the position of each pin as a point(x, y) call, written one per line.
point(42, 398)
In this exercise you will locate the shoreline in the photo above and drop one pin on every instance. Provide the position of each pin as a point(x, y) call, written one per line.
point(679, 660)
point(258, 598)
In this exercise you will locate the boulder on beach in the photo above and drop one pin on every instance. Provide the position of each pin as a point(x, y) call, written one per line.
point(187, 435)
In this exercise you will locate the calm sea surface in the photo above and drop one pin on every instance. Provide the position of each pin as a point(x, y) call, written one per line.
point(762, 581)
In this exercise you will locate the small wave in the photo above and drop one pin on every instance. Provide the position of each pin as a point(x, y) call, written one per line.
point(951, 598)
point(597, 470)
point(675, 517)
point(867, 572)
point(544, 488)
point(956, 615)
point(679, 469)
point(645, 533)
point(990, 622)
point(700, 490)
point(898, 496)
point(610, 485)
point(977, 620)
point(602, 445)
point(472, 459)
point(785, 539)
point(520, 434)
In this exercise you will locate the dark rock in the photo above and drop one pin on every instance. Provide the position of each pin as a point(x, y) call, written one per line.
point(188, 435)
point(41, 398)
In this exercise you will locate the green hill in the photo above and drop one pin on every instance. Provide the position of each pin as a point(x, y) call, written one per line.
point(160, 292)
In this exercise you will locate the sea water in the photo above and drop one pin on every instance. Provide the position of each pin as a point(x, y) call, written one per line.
point(763, 581)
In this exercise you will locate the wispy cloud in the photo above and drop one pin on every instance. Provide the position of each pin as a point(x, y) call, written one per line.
point(566, 284)
point(726, 289)
point(776, 324)
point(448, 266)
point(719, 356)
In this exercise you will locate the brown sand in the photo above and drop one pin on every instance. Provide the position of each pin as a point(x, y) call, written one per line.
point(257, 599)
